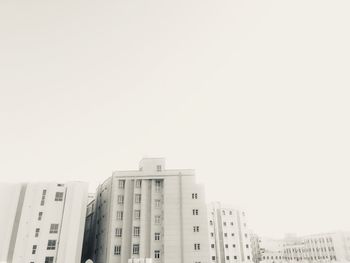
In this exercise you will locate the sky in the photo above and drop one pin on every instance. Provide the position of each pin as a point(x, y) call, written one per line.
point(253, 95)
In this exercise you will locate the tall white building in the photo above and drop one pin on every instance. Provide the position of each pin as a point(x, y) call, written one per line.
point(153, 214)
point(47, 225)
point(229, 237)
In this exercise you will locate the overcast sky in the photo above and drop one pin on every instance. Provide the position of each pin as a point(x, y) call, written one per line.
point(254, 95)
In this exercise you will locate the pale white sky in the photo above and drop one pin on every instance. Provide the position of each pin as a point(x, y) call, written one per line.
point(254, 95)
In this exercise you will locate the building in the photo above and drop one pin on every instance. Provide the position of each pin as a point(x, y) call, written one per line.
point(46, 223)
point(254, 243)
point(149, 213)
point(327, 247)
point(271, 250)
point(9, 198)
point(229, 237)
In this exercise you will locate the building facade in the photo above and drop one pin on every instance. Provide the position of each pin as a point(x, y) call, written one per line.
point(48, 223)
point(271, 250)
point(254, 243)
point(229, 237)
point(151, 214)
point(328, 247)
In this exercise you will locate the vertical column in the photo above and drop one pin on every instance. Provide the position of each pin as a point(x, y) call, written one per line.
point(145, 223)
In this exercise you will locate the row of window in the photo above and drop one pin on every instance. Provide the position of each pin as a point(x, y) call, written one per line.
point(53, 230)
point(310, 258)
point(296, 250)
point(135, 250)
point(228, 258)
point(120, 200)
point(225, 223)
point(121, 184)
point(120, 214)
point(226, 245)
point(58, 197)
point(47, 260)
point(51, 245)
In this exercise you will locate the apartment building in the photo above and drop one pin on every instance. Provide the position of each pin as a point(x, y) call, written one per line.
point(151, 214)
point(327, 247)
point(47, 225)
point(229, 237)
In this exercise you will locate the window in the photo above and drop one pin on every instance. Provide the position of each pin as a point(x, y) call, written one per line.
point(159, 168)
point(121, 184)
point(232, 234)
point(246, 235)
point(211, 222)
point(226, 245)
point(54, 228)
point(37, 231)
point(248, 257)
point(234, 257)
point(197, 246)
point(194, 196)
point(119, 215)
point(135, 249)
point(225, 234)
point(40, 216)
point(138, 183)
point(158, 186)
point(196, 229)
point(43, 196)
point(157, 203)
point(51, 245)
point(118, 232)
point(137, 214)
point(157, 219)
point(227, 258)
point(137, 198)
point(212, 234)
point(34, 249)
point(234, 245)
point(156, 236)
point(59, 196)
point(117, 250)
point(224, 223)
point(223, 212)
point(212, 245)
point(136, 231)
point(247, 246)
point(195, 212)
point(156, 253)
point(120, 199)
point(213, 258)
point(48, 259)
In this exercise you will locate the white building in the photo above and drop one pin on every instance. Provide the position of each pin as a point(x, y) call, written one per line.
point(48, 223)
point(271, 250)
point(254, 243)
point(229, 237)
point(150, 213)
point(326, 247)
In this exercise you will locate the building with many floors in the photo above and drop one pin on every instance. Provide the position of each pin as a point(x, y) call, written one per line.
point(45, 223)
point(151, 213)
point(229, 237)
